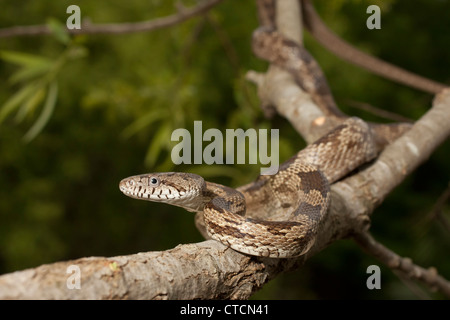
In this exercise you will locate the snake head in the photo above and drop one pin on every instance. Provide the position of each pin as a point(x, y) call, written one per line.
point(176, 188)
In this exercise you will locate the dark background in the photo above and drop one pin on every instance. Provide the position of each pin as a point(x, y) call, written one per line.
point(120, 97)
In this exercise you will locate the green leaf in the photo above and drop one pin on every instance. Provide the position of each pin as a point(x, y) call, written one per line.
point(30, 104)
point(29, 72)
point(59, 30)
point(143, 122)
point(46, 113)
point(17, 98)
point(24, 59)
point(31, 65)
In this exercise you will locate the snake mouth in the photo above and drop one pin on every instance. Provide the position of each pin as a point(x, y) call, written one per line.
point(130, 188)
point(122, 187)
point(126, 186)
point(136, 189)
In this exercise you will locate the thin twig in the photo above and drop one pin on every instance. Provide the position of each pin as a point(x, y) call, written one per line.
point(115, 28)
point(346, 51)
point(436, 211)
point(412, 286)
point(379, 112)
point(405, 266)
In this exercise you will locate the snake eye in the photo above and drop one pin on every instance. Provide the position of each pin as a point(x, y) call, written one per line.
point(153, 181)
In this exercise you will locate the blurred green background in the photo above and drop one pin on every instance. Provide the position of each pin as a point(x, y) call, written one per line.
point(78, 114)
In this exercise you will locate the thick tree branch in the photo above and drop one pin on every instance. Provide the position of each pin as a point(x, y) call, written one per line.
point(116, 28)
point(289, 20)
point(277, 88)
point(360, 194)
point(403, 156)
point(208, 269)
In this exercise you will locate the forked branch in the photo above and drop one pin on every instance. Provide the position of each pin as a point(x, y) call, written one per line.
point(209, 270)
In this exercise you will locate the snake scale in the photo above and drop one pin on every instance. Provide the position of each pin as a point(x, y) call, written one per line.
point(276, 216)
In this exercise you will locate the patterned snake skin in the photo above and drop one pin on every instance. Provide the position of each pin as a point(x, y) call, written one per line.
point(279, 215)
point(275, 216)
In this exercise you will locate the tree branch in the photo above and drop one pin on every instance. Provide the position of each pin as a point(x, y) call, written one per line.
point(436, 211)
point(404, 266)
point(403, 156)
point(116, 28)
point(209, 270)
point(206, 270)
point(289, 20)
point(346, 51)
point(278, 89)
point(379, 112)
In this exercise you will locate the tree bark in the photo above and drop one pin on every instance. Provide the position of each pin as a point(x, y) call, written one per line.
point(209, 270)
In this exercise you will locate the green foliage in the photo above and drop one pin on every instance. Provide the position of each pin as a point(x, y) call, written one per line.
point(95, 109)
point(58, 30)
point(38, 78)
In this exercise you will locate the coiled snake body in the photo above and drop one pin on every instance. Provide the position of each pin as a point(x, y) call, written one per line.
point(277, 215)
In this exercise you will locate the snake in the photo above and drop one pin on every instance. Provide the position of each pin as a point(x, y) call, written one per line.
point(277, 215)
